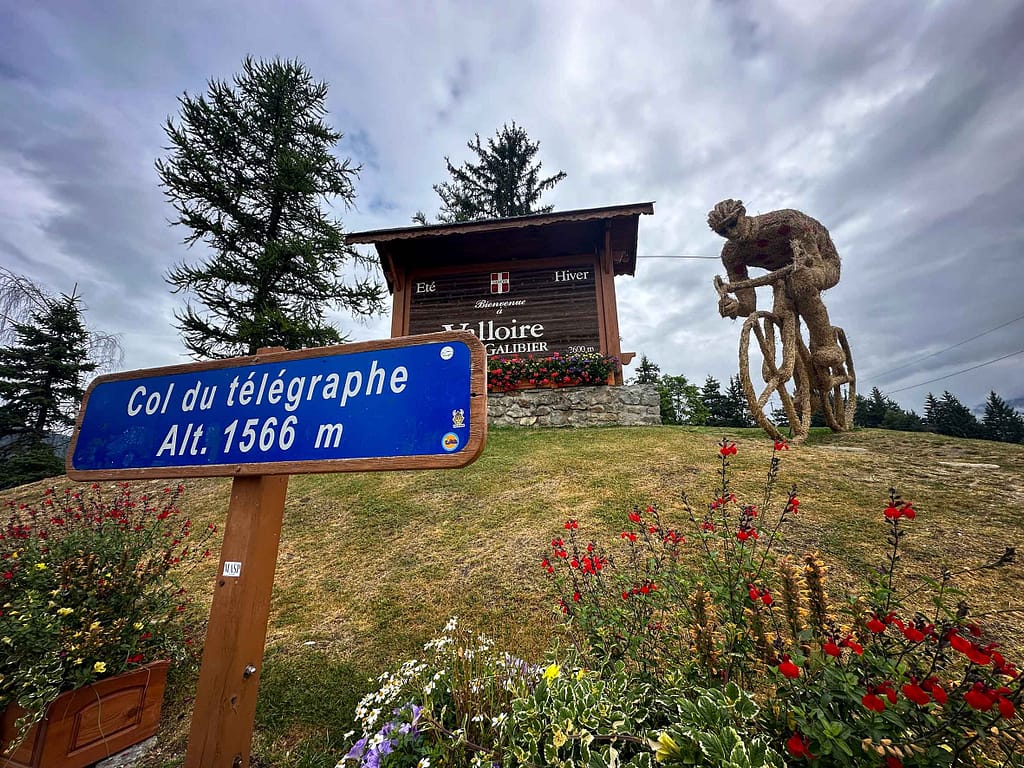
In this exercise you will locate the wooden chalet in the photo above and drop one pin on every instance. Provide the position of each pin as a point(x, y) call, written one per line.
point(527, 285)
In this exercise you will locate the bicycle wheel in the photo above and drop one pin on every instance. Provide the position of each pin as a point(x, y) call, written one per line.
point(833, 389)
point(780, 364)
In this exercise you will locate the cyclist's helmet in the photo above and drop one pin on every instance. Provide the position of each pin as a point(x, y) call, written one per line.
point(725, 214)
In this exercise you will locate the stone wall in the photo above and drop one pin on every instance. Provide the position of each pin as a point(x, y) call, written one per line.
point(631, 405)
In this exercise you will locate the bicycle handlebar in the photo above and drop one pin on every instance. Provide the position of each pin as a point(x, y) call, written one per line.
point(725, 288)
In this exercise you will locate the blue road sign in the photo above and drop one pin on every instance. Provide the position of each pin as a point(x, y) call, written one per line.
point(404, 403)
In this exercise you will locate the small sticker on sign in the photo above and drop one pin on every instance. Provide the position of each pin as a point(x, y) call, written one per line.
point(232, 569)
point(450, 442)
point(447, 352)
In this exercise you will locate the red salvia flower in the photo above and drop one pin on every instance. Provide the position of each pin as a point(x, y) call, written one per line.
point(788, 668)
point(872, 702)
point(854, 646)
point(892, 762)
point(781, 445)
point(571, 525)
point(892, 513)
point(935, 689)
point(634, 517)
point(1006, 708)
point(916, 694)
point(628, 535)
point(727, 449)
point(576, 596)
point(979, 699)
point(876, 625)
point(977, 656)
point(797, 746)
point(830, 647)
point(913, 634)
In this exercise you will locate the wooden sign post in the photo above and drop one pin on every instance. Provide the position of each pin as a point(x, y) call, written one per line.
point(418, 402)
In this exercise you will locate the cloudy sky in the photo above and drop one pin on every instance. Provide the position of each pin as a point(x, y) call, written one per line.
point(899, 125)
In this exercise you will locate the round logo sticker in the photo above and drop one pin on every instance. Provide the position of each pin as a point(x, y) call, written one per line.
point(447, 352)
point(450, 442)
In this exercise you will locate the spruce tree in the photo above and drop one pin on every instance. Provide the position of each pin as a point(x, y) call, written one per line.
point(248, 167)
point(41, 387)
point(1001, 422)
point(737, 411)
point(954, 418)
point(714, 403)
point(931, 410)
point(506, 180)
point(646, 371)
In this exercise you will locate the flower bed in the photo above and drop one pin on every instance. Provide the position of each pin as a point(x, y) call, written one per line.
point(89, 589)
point(572, 370)
point(698, 643)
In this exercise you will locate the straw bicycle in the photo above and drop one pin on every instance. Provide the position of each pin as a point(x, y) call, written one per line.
point(787, 367)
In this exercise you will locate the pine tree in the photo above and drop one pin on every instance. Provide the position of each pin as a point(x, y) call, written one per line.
point(248, 167)
point(646, 371)
point(505, 181)
point(1001, 422)
point(41, 386)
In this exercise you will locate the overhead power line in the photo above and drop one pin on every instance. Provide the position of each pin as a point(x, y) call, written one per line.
point(951, 375)
point(946, 349)
point(675, 256)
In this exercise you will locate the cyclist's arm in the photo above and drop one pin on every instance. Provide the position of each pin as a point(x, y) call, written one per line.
point(736, 269)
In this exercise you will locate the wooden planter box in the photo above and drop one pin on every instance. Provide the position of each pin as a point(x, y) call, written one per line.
point(89, 724)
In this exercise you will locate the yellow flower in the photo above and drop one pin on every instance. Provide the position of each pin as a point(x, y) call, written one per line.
point(552, 672)
point(94, 626)
point(79, 660)
point(580, 674)
point(558, 738)
point(138, 625)
point(665, 748)
point(40, 566)
point(14, 555)
point(99, 666)
point(65, 611)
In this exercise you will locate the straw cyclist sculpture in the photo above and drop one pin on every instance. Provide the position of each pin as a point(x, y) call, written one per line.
point(803, 262)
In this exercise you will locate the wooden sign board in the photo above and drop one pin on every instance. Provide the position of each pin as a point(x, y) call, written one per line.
point(514, 311)
point(407, 403)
